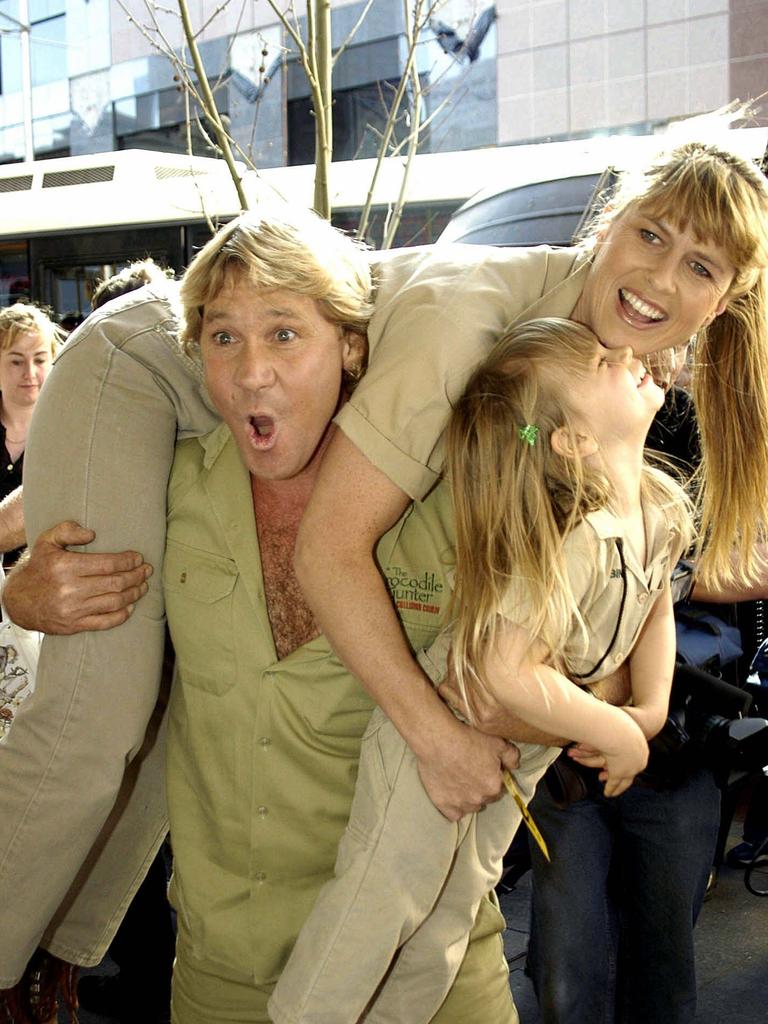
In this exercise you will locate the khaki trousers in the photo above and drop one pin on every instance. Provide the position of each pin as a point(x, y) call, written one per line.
point(207, 994)
point(82, 800)
point(395, 921)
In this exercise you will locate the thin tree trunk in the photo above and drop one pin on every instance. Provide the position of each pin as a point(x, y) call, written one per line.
point(323, 106)
point(211, 110)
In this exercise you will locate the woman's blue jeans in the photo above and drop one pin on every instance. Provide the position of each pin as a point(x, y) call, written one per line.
point(613, 914)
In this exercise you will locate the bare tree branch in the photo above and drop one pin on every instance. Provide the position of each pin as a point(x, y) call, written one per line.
point(396, 214)
point(413, 29)
point(209, 106)
point(291, 27)
point(317, 60)
point(222, 7)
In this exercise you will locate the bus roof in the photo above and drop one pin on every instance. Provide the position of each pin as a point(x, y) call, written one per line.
point(139, 187)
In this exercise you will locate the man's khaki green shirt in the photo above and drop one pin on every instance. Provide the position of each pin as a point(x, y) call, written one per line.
point(263, 752)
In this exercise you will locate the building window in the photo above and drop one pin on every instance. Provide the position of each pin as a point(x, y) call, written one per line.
point(157, 121)
point(47, 44)
point(359, 117)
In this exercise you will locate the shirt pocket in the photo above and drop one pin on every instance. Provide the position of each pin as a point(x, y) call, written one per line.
point(199, 595)
point(336, 710)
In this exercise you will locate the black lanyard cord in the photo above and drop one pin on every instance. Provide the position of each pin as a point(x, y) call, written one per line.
point(584, 675)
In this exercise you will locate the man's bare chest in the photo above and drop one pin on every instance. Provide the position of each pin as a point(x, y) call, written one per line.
point(289, 615)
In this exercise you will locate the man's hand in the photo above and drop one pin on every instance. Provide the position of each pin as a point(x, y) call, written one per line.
point(65, 592)
point(464, 775)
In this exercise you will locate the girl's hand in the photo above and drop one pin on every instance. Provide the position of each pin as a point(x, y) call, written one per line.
point(619, 766)
point(588, 756)
point(625, 760)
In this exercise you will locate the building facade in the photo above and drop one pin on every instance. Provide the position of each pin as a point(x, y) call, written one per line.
point(543, 69)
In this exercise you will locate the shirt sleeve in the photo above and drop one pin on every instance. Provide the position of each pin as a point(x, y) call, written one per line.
point(438, 311)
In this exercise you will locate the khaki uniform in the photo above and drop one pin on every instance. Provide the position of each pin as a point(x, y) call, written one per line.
point(100, 451)
point(82, 802)
point(262, 752)
point(434, 872)
point(438, 311)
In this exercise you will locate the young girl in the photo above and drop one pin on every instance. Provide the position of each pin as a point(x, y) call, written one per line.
point(564, 542)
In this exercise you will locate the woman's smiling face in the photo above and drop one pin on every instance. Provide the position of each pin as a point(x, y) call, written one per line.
point(652, 284)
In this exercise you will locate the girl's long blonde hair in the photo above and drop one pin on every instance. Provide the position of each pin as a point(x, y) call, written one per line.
point(515, 502)
point(722, 199)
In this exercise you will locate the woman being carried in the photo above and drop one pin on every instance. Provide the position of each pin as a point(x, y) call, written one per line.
point(564, 538)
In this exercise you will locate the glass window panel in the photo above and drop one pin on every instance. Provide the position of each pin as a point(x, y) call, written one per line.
point(14, 272)
point(39, 10)
point(49, 50)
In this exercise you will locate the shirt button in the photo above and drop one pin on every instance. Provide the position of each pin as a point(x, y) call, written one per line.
point(260, 876)
point(262, 811)
point(642, 598)
point(618, 657)
point(265, 741)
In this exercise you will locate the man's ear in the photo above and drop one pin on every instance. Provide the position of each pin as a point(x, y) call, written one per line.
point(353, 353)
point(564, 443)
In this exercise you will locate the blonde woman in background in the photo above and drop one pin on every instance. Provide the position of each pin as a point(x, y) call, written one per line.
point(28, 342)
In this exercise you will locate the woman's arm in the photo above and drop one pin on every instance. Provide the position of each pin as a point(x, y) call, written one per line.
point(459, 767)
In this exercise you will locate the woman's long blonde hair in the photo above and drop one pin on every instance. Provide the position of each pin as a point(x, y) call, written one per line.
point(515, 502)
point(723, 199)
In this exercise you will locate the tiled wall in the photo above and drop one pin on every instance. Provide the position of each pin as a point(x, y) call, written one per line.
point(572, 66)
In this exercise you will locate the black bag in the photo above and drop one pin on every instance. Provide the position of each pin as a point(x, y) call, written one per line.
point(704, 640)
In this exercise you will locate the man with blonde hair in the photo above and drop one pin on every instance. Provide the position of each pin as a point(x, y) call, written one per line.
point(264, 725)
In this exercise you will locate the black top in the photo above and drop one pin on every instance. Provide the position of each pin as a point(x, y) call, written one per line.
point(674, 431)
point(10, 479)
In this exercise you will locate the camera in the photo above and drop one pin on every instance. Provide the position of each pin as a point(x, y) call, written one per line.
point(707, 725)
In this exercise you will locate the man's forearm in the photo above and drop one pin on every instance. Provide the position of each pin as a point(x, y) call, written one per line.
point(12, 533)
point(354, 610)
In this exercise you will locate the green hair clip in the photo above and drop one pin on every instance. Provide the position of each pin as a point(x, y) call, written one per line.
point(528, 433)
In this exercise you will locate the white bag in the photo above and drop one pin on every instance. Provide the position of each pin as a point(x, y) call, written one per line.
point(19, 654)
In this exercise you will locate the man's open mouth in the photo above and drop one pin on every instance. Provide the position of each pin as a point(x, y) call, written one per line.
point(262, 430)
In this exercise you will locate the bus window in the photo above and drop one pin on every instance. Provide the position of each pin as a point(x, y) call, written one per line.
point(70, 288)
point(14, 272)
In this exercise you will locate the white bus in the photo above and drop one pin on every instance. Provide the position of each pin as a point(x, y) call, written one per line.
point(67, 222)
